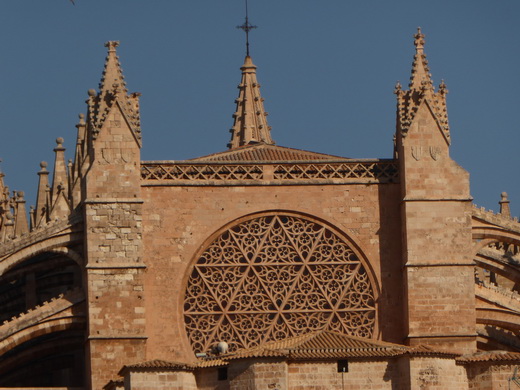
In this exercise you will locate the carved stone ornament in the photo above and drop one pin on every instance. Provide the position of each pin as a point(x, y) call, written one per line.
point(417, 152)
point(118, 155)
point(435, 152)
point(274, 277)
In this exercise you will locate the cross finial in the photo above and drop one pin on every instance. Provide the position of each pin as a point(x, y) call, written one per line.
point(247, 27)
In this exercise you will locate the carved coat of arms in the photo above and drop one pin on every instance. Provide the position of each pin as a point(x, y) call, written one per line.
point(435, 152)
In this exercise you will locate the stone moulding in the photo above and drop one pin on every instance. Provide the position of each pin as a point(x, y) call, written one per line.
point(355, 171)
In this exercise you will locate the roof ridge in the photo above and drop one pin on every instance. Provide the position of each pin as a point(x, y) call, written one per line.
point(267, 152)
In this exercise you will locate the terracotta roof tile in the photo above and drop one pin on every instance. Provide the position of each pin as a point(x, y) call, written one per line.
point(321, 344)
point(211, 363)
point(491, 356)
point(266, 153)
point(427, 350)
point(158, 365)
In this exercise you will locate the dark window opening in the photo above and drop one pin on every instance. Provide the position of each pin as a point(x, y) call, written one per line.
point(222, 374)
point(342, 365)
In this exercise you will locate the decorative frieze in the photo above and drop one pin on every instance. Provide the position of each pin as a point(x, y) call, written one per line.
point(375, 171)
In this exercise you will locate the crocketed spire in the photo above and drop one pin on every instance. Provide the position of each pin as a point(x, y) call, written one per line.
point(250, 124)
point(113, 79)
point(421, 90)
point(112, 88)
point(420, 78)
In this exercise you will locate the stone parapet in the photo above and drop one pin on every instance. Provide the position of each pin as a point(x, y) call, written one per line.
point(52, 228)
point(184, 173)
point(501, 220)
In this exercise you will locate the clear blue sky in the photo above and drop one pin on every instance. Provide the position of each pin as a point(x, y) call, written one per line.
point(327, 69)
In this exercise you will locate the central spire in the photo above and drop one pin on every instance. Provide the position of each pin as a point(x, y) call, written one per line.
point(250, 125)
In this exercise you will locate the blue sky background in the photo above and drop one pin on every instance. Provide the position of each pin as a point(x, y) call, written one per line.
point(327, 69)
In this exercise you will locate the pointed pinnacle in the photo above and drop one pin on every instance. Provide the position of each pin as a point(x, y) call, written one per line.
point(421, 78)
point(112, 74)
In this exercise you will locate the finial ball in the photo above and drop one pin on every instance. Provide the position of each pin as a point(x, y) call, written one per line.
point(504, 195)
point(21, 194)
point(59, 140)
point(92, 92)
point(43, 164)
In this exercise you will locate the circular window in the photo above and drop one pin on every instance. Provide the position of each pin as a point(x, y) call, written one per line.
point(275, 277)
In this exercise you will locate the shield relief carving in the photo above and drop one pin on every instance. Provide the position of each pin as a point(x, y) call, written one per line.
point(435, 152)
point(417, 152)
point(117, 155)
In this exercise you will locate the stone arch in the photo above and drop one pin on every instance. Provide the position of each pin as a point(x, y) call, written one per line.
point(277, 274)
point(491, 253)
point(32, 280)
point(497, 276)
point(45, 354)
point(41, 329)
point(47, 245)
point(70, 253)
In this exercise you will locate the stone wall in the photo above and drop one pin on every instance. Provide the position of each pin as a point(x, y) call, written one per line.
point(179, 220)
point(435, 373)
point(153, 380)
point(316, 375)
point(486, 376)
point(259, 374)
point(208, 379)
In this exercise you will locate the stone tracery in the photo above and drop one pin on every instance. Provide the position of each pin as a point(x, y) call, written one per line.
point(274, 277)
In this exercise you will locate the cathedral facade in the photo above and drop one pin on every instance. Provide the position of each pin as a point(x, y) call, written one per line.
point(257, 267)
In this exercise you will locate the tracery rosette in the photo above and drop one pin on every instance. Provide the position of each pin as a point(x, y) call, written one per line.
point(273, 277)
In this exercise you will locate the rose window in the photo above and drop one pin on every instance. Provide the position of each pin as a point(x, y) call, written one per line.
point(275, 277)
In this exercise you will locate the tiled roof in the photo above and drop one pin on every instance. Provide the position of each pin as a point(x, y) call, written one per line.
point(266, 153)
point(317, 345)
point(158, 365)
point(421, 350)
point(211, 363)
point(321, 344)
point(491, 356)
